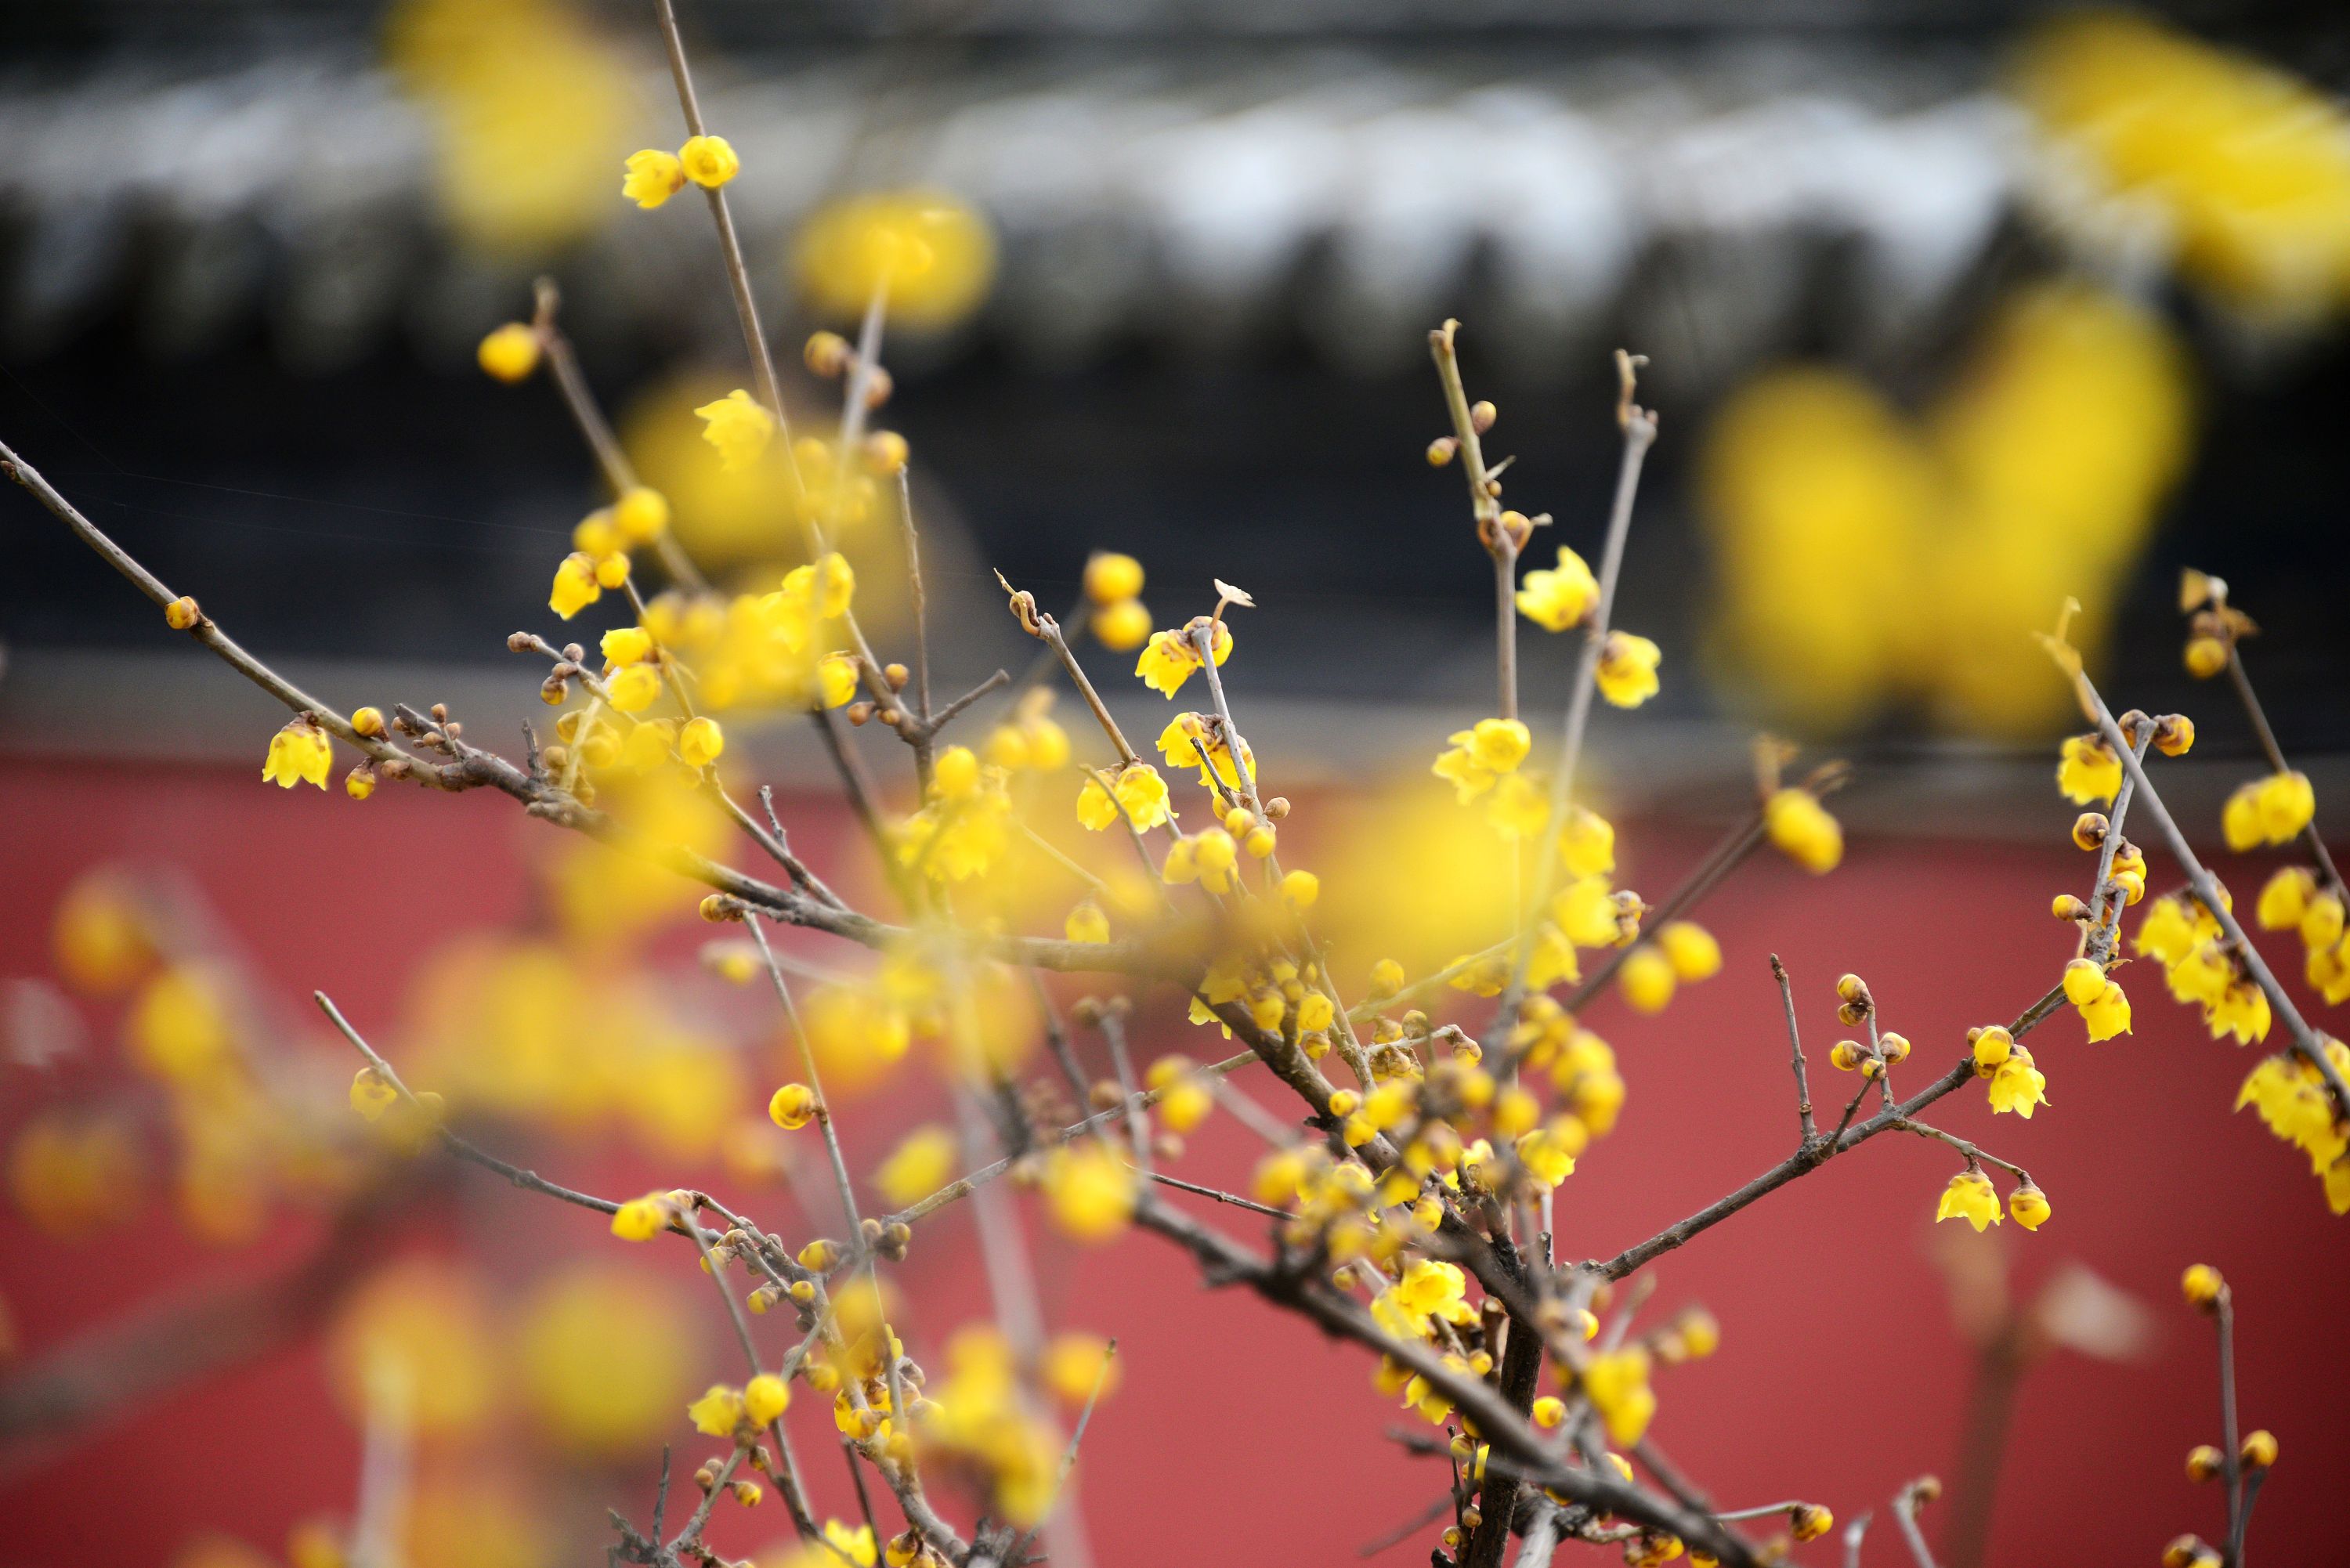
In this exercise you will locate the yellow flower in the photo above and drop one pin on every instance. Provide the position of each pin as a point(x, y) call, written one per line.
point(1122, 627)
point(2087, 770)
point(372, 1094)
point(1628, 669)
point(642, 1219)
point(836, 679)
point(633, 688)
point(1548, 1154)
point(709, 161)
point(1086, 923)
point(1617, 1382)
point(1991, 1046)
point(1558, 599)
point(1139, 790)
point(1112, 578)
point(576, 586)
point(2017, 1086)
point(2028, 1206)
point(701, 742)
point(1694, 953)
point(932, 254)
point(1803, 831)
point(1519, 809)
point(764, 1397)
point(850, 1545)
point(1075, 1363)
point(1089, 1191)
point(1969, 1197)
point(1647, 978)
point(2239, 819)
point(792, 1107)
point(1301, 888)
point(1169, 659)
point(918, 1167)
point(2285, 899)
point(2107, 1014)
point(299, 753)
point(510, 353)
point(718, 1412)
point(653, 177)
point(1480, 755)
point(640, 514)
point(2286, 803)
point(739, 428)
point(628, 644)
point(1587, 844)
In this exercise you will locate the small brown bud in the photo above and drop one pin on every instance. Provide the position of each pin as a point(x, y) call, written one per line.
point(746, 1493)
point(555, 758)
point(878, 388)
point(553, 691)
point(896, 675)
point(826, 354)
point(440, 712)
point(870, 1228)
point(717, 908)
point(1440, 451)
point(1277, 808)
point(1105, 1095)
point(1167, 1146)
point(2204, 1461)
point(452, 729)
point(181, 614)
point(394, 768)
point(574, 654)
point(886, 453)
point(706, 1478)
point(860, 713)
point(1471, 1517)
point(1926, 1489)
point(2089, 830)
point(521, 642)
point(895, 1239)
point(1086, 1011)
point(1482, 415)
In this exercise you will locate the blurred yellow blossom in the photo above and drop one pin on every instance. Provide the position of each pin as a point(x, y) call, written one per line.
point(739, 428)
point(604, 1353)
point(933, 255)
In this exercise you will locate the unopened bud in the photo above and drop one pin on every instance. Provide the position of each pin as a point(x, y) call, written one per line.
point(2065, 906)
point(859, 713)
point(878, 388)
point(717, 907)
point(2089, 830)
point(826, 354)
point(2174, 735)
point(1440, 451)
point(896, 675)
point(1482, 415)
point(1277, 808)
point(181, 613)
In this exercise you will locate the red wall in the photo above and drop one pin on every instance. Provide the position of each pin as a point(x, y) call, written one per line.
point(1246, 1437)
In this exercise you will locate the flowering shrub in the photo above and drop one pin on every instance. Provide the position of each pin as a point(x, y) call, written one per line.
point(1413, 1214)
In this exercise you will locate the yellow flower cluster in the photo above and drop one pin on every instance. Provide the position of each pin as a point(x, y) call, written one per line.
point(653, 176)
point(2272, 810)
point(2293, 901)
point(2244, 169)
point(2200, 967)
point(931, 256)
point(2290, 1097)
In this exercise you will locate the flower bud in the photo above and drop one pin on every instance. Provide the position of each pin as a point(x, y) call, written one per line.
point(2206, 656)
point(717, 907)
point(1894, 1048)
point(2204, 1461)
point(2201, 1285)
point(2065, 906)
point(2089, 830)
point(2174, 735)
point(181, 613)
point(2259, 1450)
point(1482, 415)
point(824, 354)
point(1440, 451)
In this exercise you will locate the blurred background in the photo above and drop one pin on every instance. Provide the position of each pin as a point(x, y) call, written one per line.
point(1952, 310)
